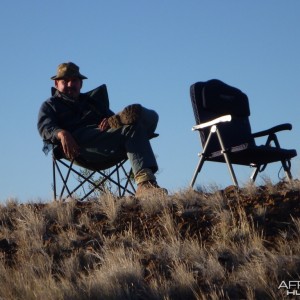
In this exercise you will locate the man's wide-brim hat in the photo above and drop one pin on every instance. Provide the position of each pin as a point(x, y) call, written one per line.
point(68, 70)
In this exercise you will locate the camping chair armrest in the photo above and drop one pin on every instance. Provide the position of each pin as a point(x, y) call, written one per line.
point(272, 130)
point(226, 118)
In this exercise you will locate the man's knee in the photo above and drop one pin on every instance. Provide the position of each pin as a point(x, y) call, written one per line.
point(149, 118)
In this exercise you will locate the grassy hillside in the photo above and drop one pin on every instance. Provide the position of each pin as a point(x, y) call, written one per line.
point(206, 244)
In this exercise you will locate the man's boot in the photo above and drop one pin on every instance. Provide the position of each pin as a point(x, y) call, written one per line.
point(149, 188)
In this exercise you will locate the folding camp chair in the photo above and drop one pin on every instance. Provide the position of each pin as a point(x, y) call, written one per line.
point(87, 180)
point(222, 120)
point(81, 179)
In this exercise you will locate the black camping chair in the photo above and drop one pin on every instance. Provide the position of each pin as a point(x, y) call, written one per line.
point(81, 179)
point(222, 117)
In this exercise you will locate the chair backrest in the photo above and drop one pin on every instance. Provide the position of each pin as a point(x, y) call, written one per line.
point(98, 99)
point(214, 98)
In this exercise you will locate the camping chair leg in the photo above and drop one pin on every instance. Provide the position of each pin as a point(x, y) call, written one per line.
point(198, 169)
point(128, 182)
point(118, 180)
point(54, 178)
point(258, 169)
point(202, 159)
point(65, 180)
point(231, 171)
point(254, 174)
point(81, 185)
point(286, 164)
point(122, 189)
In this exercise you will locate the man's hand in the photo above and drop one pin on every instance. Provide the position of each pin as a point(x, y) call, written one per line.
point(103, 125)
point(69, 145)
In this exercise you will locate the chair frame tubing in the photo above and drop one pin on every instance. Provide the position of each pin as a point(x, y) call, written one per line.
point(122, 189)
point(214, 129)
point(286, 164)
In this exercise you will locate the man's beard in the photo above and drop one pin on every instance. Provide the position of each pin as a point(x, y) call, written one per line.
point(71, 92)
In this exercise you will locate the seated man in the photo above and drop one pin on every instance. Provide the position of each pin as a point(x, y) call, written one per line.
point(97, 134)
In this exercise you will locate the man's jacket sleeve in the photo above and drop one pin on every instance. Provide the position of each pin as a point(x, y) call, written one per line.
point(47, 123)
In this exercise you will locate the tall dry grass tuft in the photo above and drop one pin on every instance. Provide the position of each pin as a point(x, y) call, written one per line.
point(155, 204)
point(119, 277)
point(62, 213)
point(293, 185)
point(110, 207)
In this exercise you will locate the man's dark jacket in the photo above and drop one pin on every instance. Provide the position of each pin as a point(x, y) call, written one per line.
point(61, 112)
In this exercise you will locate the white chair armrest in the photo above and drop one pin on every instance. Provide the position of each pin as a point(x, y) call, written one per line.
point(226, 118)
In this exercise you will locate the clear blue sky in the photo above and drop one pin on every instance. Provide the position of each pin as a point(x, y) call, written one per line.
point(148, 52)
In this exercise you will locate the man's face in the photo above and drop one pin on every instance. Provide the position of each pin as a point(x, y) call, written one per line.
point(69, 86)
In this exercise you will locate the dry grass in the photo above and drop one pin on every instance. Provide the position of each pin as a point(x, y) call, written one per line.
point(205, 244)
